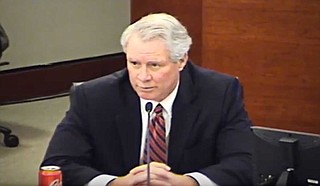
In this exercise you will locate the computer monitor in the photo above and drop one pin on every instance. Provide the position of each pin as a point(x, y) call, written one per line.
point(284, 157)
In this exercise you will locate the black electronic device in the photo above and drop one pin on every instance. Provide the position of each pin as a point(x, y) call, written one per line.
point(148, 108)
point(284, 157)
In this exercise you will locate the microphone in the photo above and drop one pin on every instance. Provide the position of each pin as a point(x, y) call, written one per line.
point(148, 109)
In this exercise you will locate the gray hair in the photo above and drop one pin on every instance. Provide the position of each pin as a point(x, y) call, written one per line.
point(164, 26)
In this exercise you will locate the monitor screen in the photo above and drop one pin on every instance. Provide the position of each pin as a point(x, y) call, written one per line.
point(284, 152)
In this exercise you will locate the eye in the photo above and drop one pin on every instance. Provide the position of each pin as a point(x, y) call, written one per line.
point(155, 65)
point(133, 62)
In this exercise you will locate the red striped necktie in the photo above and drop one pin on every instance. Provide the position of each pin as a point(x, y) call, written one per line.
point(157, 137)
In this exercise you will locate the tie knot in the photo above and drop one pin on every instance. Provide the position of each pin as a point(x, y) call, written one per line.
point(158, 109)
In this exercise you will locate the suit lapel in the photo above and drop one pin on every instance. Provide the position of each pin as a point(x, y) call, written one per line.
point(128, 122)
point(184, 115)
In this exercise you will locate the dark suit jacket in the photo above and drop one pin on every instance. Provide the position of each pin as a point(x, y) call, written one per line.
point(101, 132)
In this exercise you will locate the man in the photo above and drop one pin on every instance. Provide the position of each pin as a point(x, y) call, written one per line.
point(104, 138)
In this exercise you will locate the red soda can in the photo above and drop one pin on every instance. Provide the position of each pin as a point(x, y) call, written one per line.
point(50, 176)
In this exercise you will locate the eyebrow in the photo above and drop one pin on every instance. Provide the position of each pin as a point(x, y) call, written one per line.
point(150, 61)
point(154, 61)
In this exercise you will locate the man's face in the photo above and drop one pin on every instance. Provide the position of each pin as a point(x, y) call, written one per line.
point(152, 74)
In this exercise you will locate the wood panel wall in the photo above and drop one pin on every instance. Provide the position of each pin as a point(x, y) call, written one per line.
point(272, 46)
point(189, 12)
point(51, 80)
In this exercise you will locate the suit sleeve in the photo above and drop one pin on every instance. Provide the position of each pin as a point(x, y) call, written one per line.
point(234, 142)
point(70, 146)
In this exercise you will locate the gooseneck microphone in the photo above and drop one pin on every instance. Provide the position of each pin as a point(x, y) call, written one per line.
point(148, 109)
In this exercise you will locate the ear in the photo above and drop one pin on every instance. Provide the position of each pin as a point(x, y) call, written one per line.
point(183, 61)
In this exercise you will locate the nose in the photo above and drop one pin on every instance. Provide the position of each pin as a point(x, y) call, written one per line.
point(144, 74)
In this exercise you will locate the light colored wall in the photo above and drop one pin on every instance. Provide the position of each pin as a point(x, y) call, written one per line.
point(46, 31)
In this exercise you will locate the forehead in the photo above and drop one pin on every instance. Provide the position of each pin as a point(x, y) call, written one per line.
point(154, 47)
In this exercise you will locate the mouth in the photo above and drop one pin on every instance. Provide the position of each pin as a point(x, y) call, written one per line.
point(145, 88)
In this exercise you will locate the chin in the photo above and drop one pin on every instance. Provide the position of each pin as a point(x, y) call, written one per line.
point(146, 96)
